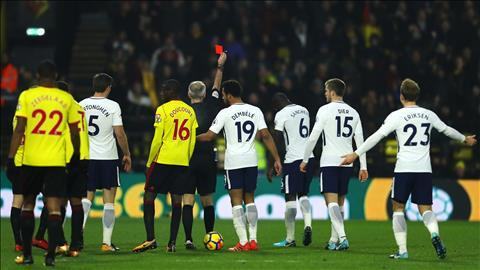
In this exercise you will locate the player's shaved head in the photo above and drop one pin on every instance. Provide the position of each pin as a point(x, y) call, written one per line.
point(63, 86)
point(409, 90)
point(336, 85)
point(169, 89)
point(47, 70)
point(197, 90)
point(101, 82)
point(279, 101)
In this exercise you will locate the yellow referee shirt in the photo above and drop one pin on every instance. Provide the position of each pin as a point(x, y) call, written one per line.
point(48, 112)
point(175, 134)
point(83, 132)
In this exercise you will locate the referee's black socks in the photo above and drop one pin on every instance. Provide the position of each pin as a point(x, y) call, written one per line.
point(187, 218)
point(27, 225)
point(209, 218)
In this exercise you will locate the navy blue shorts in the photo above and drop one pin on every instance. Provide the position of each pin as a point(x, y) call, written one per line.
point(335, 179)
point(294, 181)
point(419, 185)
point(103, 174)
point(244, 178)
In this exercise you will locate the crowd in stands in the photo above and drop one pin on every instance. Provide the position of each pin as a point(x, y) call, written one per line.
point(294, 47)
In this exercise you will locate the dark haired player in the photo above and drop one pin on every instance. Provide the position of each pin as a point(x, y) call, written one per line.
point(104, 119)
point(202, 176)
point(43, 113)
point(241, 122)
point(413, 171)
point(339, 124)
point(172, 147)
point(292, 122)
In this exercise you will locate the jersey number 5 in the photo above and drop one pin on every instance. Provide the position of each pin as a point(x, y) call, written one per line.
point(43, 117)
point(183, 132)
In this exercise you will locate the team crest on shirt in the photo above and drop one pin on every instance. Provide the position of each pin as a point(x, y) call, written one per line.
point(158, 118)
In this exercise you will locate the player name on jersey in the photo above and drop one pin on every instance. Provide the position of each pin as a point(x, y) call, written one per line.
point(294, 121)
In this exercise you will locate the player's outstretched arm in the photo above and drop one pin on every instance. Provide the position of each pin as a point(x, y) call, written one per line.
point(123, 142)
point(207, 136)
point(363, 148)
point(219, 74)
point(452, 133)
point(270, 144)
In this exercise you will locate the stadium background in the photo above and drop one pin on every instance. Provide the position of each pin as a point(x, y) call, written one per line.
point(272, 46)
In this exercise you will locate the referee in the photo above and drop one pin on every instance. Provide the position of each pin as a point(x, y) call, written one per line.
point(202, 174)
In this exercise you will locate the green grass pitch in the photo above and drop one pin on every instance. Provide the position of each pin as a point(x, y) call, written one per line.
point(370, 244)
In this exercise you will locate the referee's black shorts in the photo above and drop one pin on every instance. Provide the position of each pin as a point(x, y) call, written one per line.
point(163, 179)
point(202, 176)
point(51, 181)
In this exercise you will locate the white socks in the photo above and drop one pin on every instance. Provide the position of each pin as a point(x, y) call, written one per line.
point(430, 222)
point(334, 234)
point(86, 204)
point(337, 220)
point(290, 214)
point(239, 223)
point(108, 220)
point(400, 231)
point(306, 209)
point(252, 218)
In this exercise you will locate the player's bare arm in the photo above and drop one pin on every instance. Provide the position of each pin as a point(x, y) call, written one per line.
point(123, 142)
point(17, 136)
point(277, 137)
point(270, 144)
point(207, 136)
point(219, 74)
point(75, 137)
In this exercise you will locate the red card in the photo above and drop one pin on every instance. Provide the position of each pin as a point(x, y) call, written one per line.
point(218, 49)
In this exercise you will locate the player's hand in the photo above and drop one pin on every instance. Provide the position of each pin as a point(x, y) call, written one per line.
point(270, 174)
point(470, 140)
point(303, 167)
point(278, 167)
point(363, 175)
point(349, 159)
point(127, 163)
point(222, 59)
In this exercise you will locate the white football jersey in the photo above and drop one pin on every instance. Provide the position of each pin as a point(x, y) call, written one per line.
point(294, 121)
point(240, 123)
point(338, 124)
point(412, 126)
point(102, 114)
